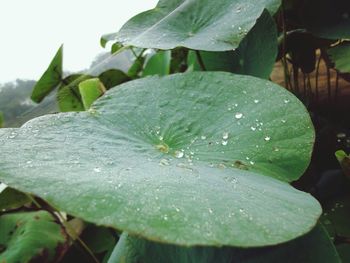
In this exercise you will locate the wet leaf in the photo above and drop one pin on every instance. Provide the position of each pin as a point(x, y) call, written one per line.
point(194, 159)
point(248, 58)
point(198, 24)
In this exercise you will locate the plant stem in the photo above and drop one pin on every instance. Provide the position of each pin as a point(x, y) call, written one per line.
point(200, 60)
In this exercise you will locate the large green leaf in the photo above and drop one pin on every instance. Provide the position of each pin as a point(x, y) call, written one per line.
point(195, 24)
point(31, 237)
point(50, 79)
point(197, 158)
point(315, 247)
point(255, 55)
point(340, 55)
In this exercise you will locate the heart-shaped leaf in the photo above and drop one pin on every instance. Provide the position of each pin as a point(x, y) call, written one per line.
point(196, 158)
point(31, 237)
point(248, 58)
point(195, 24)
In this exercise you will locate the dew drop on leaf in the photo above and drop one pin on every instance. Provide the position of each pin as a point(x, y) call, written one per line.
point(179, 154)
point(238, 115)
point(267, 138)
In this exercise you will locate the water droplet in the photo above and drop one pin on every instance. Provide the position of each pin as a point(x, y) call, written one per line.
point(238, 10)
point(225, 135)
point(238, 115)
point(241, 210)
point(283, 121)
point(161, 138)
point(253, 128)
point(203, 137)
point(286, 101)
point(97, 169)
point(251, 162)
point(165, 217)
point(276, 149)
point(210, 210)
point(164, 162)
point(267, 138)
point(239, 28)
point(177, 209)
point(29, 162)
point(256, 101)
point(224, 142)
point(179, 154)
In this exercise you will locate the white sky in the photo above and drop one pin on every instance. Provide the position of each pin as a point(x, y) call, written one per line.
point(31, 31)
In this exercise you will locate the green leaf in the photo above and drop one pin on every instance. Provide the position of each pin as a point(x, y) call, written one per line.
point(344, 161)
point(136, 67)
point(106, 38)
point(340, 56)
point(113, 77)
point(194, 159)
point(31, 236)
point(336, 216)
point(326, 18)
point(12, 199)
point(255, 55)
point(90, 90)
point(98, 239)
point(116, 47)
point(158, 64)
point(315, 247)
point(197, 24)
point(68, 95)
point(50, 79)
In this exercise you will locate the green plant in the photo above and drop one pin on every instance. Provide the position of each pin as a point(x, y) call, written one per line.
point(190, 165)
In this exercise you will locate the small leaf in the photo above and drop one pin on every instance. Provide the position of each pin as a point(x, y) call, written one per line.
point(113, 77)
point(344, 161)
point(98, 239)
point(158, 64)
point(50, 79)
point(90, 90)
point(106, 38)
point(31, 236)
point(340, 56)
point(116, 47)
point(68, 95)
point(136, 67)
point(12, 199)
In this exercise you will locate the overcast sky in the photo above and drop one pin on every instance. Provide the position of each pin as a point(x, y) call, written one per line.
point(32, 30)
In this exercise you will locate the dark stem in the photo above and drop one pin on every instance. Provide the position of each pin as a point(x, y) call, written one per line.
point(317, 75)
point(200, 60)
